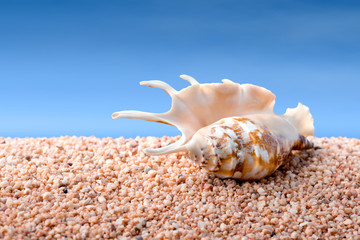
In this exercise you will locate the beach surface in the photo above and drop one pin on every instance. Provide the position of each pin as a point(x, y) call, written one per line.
point(101, 188)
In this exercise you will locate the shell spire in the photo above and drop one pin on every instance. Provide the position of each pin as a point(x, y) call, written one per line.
point(230, 129)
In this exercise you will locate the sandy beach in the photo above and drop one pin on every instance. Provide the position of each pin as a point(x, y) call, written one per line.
point(100, 188)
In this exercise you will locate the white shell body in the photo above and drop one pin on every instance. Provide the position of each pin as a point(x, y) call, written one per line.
point(230, 129)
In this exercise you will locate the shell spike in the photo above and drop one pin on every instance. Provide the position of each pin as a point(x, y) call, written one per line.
point(227, 80)
point(190, 79)
point(153, 117)
point(172, 148)
point(160, 84)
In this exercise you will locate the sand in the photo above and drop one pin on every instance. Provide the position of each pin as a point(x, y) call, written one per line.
point(92, 188)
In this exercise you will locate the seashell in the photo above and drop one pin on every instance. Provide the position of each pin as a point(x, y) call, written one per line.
point(230, 129)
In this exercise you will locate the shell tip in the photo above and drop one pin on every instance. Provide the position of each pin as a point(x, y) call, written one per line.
point(114, 115)
point(227, 80)
point(190, 79)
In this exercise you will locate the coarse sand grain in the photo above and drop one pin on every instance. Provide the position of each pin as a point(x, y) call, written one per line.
point(100, 188)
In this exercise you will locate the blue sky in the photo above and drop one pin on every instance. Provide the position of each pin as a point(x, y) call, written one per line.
point(66, 66)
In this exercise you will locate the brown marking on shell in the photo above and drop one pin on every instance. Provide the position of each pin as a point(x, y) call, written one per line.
point(243, 120)
point(238, 131)
point(226, 172)
point(267, 144)
point(239, 167)
point(302, 143)
point(159, 121)
point(221, 142)
point(266, 141)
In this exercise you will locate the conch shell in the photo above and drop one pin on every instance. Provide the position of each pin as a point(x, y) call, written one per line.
point(230, 129)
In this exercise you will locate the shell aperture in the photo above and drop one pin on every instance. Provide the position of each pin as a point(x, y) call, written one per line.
point(230, 129)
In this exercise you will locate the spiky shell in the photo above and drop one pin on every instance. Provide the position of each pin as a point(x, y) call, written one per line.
point(230, 129)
